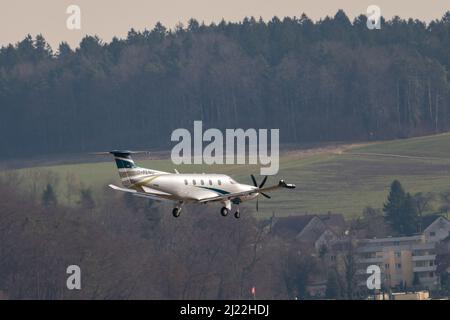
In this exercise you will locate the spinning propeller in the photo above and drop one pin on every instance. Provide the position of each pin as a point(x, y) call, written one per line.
point(259, 187)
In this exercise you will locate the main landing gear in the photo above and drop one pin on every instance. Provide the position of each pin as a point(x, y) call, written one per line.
point(225, 211)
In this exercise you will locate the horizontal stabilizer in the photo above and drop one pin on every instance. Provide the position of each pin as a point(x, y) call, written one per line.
point(122, 189)
point(119, 153)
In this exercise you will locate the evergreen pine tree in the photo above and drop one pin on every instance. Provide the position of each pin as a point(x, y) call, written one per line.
point(392, 208)
point(410, 216)
point(400, 210)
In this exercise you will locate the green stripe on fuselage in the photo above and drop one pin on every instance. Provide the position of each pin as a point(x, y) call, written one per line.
point(216, 190)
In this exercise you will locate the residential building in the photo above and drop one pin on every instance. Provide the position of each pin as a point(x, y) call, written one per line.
point(313, 233)
point(404, 261)
point(435, 228)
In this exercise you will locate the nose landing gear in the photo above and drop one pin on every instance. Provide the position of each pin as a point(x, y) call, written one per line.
point(177, 210)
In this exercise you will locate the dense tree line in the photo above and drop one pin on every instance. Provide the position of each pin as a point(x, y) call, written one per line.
point(319, 81)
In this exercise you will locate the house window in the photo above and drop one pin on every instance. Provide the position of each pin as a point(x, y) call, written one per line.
point(185, 182)
point(398, 265)
point(386, 266)
point(398, 254)
point(432, 234)
point(431, 274)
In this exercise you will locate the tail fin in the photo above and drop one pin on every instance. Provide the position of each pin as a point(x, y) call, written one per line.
point(126, 166)
point(123, 159)
point(129, 172)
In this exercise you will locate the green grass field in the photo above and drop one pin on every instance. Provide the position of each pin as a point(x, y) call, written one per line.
point(343, 182)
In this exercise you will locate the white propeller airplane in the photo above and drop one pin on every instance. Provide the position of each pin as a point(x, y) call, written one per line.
point(186, 188)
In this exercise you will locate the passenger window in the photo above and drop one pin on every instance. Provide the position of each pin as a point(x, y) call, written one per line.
point(185, 182)
point(202, 182)
point(210, 182)
point(194, 182)
point(220, 182)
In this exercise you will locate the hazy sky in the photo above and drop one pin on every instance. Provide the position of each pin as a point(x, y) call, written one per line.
point(108, 18)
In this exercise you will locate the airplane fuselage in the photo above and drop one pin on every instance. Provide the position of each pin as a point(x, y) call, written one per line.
point(181, 186)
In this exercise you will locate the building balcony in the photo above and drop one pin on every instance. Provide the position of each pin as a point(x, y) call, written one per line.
point(423, 246)
point(428, 257)
point(425, 269)
point(374, 248)
point(374, 260)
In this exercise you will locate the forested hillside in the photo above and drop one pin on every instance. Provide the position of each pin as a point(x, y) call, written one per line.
point(330, 80)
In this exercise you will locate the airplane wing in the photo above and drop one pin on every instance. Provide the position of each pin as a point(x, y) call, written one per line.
point(231, 196)
point(197, 194)
point(149, 193)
